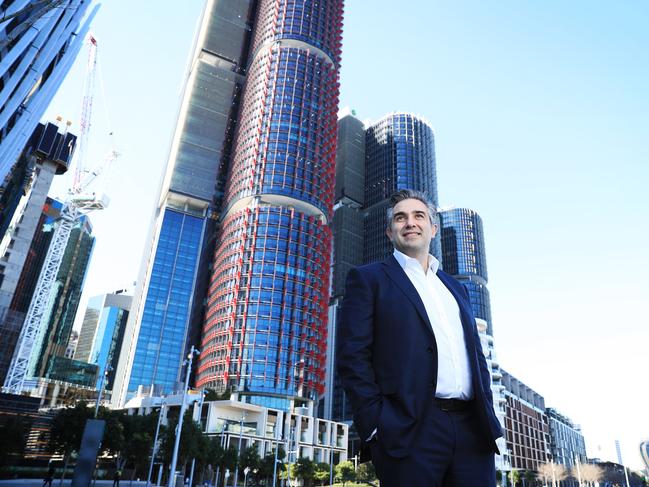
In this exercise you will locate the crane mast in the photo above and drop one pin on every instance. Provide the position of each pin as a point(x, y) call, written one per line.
point(77, 204)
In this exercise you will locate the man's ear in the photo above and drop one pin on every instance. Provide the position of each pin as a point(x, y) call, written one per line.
point(388, 232)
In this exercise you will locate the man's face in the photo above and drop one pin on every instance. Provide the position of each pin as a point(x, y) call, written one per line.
point(410, 230)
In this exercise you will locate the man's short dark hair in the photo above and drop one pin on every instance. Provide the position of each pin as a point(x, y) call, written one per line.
point(412, 194)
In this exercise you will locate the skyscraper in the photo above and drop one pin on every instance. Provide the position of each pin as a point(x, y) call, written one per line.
point(39, 41)
point(102, 332)
point(399, 153)
point(265, 328)
point(348, 234)
point(64, 299)
point(168, 306)
point(464, 257)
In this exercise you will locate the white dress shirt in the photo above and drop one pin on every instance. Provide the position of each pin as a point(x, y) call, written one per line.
point(453, 372)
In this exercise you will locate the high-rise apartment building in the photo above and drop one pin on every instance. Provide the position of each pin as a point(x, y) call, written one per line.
point(497, 390)
point(102, 332)
point(526, 425)
point(566, 440)
point(169, 302)
point(464, 257)
point(265, 327)
point(399, 153)
point(39, 41)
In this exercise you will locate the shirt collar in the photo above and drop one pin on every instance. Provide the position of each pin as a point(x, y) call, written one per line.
point(406, 262)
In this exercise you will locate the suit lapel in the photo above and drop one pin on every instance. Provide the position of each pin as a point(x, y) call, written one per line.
point(396, 273)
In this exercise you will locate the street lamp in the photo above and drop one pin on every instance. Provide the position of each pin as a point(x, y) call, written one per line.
point(107, 369)
point(275, 463)
point(155, 443)
point(183, 406)
point(222, 443)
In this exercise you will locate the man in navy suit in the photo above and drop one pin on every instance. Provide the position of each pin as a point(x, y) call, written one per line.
point(411, 362)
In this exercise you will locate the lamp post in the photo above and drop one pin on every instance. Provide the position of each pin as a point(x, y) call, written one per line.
point(218, 467)
point(107, 369)
point(200, 413)
point(183, 406)
point(155, 444)
point(236, 468)
point(275, 464)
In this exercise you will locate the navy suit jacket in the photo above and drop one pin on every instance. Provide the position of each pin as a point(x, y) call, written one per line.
point(387, 356)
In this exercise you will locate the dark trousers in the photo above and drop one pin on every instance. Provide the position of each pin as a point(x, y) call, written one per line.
point(450, 451)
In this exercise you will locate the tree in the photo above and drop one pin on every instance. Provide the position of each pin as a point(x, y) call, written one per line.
point(591, 473)
point(514, 476)
point(552, 473)
point(544, 472)
point(266, 466)
point(192, 441)
point(249, 458)
point(530, 476)
point(366, 472)
point(560, 472)
point(304, 469)
point(345, 472)
point(140, 431)
point(14, 433)
point(321, 472)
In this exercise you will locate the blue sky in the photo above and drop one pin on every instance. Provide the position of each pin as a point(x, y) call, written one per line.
point(541, 118)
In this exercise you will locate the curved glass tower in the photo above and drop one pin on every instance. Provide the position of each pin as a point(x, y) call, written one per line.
point(464, 256)
point(265, 327)
point(399, 153)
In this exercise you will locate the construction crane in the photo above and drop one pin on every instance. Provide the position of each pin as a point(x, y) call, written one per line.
point(79, 202)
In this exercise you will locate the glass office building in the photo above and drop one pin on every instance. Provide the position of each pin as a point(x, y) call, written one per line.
point(168, 305)
point(64, 298)
point(102, 333)
point(399, 153)
point(266, 322)
point(463, 253)
point(40, 41)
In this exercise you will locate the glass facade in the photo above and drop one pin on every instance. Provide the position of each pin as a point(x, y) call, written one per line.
point(399, 153)
point(350, 160)
point(265, 326)
point(39, 45)
point(194, 186)
point(66, 294)
point(102, 332)
point(266, 317)
point(566, 440)
point(72, 371)
point(164, 325)
point(464, 256)
point(285, 145)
